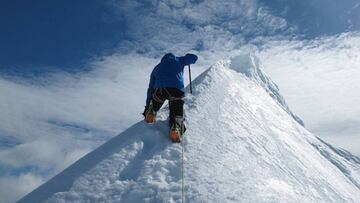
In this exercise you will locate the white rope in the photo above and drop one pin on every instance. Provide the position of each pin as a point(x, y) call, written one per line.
point(182, 173)
point(182, 160)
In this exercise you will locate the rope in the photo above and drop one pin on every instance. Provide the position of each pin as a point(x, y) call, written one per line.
point(182, 163)
point(182, 173)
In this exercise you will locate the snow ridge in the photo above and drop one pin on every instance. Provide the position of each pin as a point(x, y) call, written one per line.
point(250, 65)
point(241, 145)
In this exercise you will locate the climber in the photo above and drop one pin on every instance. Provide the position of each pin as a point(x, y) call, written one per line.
point(167, 83)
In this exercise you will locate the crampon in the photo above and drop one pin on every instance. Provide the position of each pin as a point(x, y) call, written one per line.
point(175, 134)
point(177, 130)
point(150, 116)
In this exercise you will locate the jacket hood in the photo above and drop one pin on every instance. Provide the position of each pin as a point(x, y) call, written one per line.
point(167, 57)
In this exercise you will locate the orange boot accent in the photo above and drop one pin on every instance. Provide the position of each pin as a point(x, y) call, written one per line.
point(175, 136)
point(150, 118)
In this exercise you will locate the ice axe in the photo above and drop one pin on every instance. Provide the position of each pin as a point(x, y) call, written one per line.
point(190, 79)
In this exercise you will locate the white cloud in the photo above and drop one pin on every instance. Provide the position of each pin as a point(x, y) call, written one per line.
point(319, 79)
point(12, 188)
point(179, 26)
point(157, 26)
point(56, 119)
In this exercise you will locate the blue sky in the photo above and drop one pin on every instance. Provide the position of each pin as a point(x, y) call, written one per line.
point(314, 18)
point(43, 35)
point(57, 34)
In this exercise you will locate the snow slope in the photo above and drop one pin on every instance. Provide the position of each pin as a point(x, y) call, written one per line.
point(242, 145)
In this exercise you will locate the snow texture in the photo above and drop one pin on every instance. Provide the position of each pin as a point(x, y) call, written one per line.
point(242, 145)
point(250, 66)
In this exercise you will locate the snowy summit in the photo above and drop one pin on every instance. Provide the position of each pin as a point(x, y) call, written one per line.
point(243, 144)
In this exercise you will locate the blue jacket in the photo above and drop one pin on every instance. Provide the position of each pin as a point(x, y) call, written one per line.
point(169, 73)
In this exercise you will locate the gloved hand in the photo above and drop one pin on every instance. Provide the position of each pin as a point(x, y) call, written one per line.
point(190, 59)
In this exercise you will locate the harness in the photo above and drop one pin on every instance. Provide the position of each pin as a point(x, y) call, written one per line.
point(169, 96)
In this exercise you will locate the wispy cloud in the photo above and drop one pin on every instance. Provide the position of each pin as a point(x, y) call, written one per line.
point(319, 78)
point(11, 188)
point(182, 25)
point(48, 123)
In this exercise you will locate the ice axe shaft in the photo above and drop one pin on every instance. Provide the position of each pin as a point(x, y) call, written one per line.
point(190, 79)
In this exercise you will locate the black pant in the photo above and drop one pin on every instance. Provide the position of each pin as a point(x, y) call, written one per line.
point(176, 101)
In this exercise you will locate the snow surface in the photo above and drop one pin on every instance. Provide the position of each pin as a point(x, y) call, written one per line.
point(319, 79)
point(256, 73)
point(242, 145)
